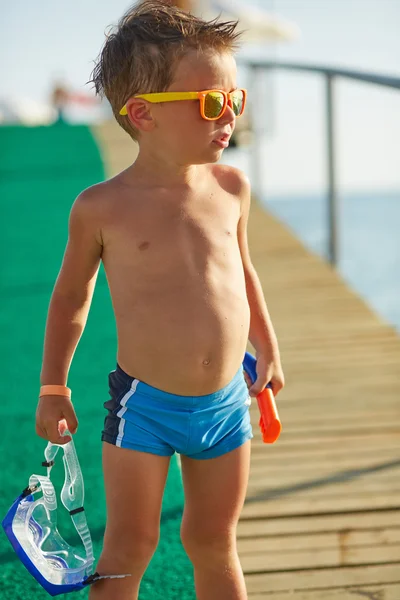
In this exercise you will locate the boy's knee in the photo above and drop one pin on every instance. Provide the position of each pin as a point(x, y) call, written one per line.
point(208, 544)
point(127, 551)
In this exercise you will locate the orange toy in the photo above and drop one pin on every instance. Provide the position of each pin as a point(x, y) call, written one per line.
point(270, 425)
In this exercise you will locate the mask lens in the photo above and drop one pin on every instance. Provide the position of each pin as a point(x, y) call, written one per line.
point(237, 102)
point(213, 104)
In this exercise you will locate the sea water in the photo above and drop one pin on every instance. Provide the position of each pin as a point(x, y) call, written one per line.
point(368, 241)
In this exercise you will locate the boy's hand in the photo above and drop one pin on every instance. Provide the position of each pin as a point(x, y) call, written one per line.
point(50, 411)
point(268, 371)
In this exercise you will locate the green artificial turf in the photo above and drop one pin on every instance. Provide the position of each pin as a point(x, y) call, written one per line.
point(42, 171)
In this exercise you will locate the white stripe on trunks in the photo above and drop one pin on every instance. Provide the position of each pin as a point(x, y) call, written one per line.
point(123, 410)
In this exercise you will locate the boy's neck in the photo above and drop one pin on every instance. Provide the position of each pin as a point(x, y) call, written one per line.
point(153, 173)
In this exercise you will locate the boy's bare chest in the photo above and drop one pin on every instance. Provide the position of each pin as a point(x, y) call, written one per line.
point(166, 226)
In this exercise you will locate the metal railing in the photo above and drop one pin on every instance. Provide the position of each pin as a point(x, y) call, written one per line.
point(329, 74)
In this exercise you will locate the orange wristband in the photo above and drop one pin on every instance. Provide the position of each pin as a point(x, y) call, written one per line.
point(55, 390)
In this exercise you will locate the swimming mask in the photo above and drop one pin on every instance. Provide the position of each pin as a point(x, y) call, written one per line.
point(31, 527)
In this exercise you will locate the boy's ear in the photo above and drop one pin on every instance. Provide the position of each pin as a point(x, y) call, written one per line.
point(140, 114)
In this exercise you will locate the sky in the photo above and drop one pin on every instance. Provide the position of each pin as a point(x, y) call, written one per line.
point(351, 34)
point(44, 41)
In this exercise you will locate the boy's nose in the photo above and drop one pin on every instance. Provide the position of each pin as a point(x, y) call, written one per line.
point(228, 116)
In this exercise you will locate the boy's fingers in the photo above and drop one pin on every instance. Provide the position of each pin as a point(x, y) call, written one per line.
point(41, 432)
point(52, 433)
point(258, 386)
point(70, 420)
point(72, 423)
point(276, 386)
point(62, 428)
point(64, 440)
point(58, 439)
point(255, 389)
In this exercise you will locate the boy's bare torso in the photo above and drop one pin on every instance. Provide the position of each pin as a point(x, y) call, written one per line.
point(176, 279)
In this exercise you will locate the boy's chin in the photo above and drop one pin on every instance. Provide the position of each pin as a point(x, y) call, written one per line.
point(209, 154)
point(216, 150)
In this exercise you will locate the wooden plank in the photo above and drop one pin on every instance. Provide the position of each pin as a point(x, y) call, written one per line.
point(344, 538)
point(321, 488)
point(312, 418)
point(356, 362)
point(288, 444)
point(336, 453)
point(329, 438)
point(355, 521)
point(381, 592)
point(387, 457)
point(323, 423)
point(339, 433)
point(285, 478)
point(287, 448)
point(325, 557)
point(297, 394)
point(323, 477)
point(319, 550)
point(388, 435)
point(256, 508)
point(322, 579)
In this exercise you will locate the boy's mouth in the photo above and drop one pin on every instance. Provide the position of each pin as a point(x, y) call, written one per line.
point(224, 137)
point(222, 143)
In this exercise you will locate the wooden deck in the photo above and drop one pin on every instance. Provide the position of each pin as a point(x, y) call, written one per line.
point(321, 519)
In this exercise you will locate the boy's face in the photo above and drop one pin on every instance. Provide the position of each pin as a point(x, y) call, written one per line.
point(179, 128)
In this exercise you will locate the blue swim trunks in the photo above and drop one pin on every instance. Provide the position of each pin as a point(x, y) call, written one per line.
point(142, 417)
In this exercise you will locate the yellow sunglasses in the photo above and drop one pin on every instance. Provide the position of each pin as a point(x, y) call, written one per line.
point(213, 103)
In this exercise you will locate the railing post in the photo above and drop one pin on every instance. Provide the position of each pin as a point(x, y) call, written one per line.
point(329, 74)
point(333, 208)
point(258, 105)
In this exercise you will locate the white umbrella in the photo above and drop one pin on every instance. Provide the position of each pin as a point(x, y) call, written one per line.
point(259, 25)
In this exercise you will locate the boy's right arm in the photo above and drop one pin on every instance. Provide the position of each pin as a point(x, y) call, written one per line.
point(68, 312)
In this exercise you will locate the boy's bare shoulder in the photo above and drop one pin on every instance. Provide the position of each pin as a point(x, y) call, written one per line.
point(97, 195)
point(231, 179)
point(91, 210)
point(95, 202)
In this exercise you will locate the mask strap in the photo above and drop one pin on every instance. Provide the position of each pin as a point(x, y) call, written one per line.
point(80, 523)
point(72, 493)
point(49, 494)
point(72, 497)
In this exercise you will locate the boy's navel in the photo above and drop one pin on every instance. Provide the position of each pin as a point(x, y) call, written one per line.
point(144, 245)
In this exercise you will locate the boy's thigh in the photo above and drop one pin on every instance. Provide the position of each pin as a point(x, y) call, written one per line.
point(215, 490)
point(134, 485)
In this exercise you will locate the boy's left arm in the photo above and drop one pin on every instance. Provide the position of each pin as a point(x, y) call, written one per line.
point(261, 334)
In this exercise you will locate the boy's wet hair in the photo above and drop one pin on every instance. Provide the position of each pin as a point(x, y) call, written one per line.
point(141, 55)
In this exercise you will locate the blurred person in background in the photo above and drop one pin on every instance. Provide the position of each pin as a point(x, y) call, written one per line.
point(63, 98)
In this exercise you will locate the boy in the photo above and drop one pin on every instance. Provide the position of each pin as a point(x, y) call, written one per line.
point(171, 232)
